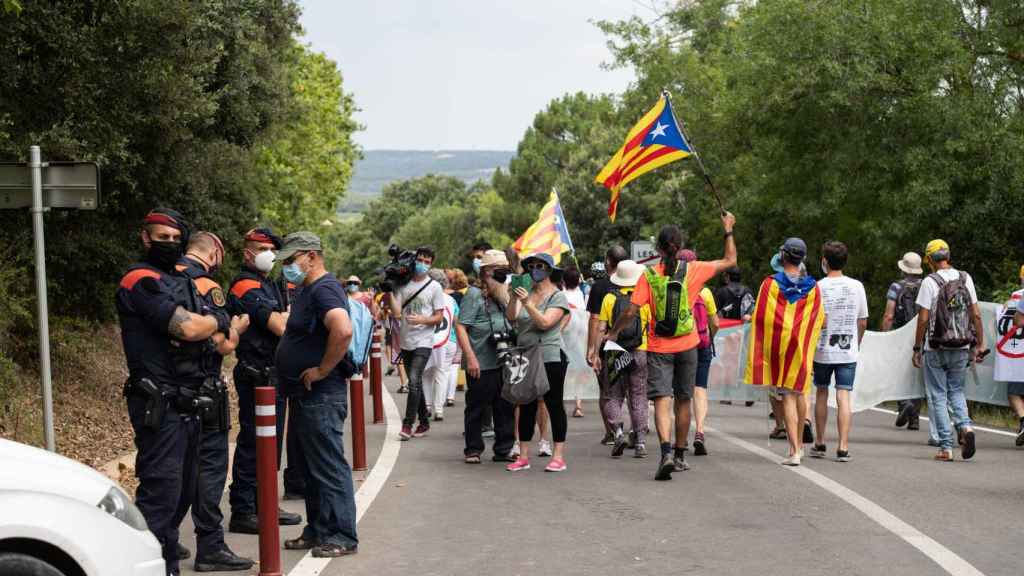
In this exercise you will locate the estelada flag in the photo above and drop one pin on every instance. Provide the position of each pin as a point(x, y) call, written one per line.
point(654, 141)
point(784, 332)
point(548, 235)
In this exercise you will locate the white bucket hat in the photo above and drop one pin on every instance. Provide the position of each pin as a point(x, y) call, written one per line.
point(627, 274)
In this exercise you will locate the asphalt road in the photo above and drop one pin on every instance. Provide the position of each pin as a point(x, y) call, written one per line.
point(891, 510)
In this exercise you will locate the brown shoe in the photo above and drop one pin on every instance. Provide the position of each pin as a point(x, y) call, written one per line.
point(944, 456)
point(299, 543)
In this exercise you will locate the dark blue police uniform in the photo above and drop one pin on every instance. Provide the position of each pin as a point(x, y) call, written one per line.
point(215, 422)
point(258, 296)
point(163, 394)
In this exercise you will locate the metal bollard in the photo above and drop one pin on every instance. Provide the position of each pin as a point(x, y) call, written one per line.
point(377, 377)
point(356, 414)
point(266, 480)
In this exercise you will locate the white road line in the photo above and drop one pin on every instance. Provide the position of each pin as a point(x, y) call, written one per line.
point(975, 427)
point(944, 557)
point(372, 486)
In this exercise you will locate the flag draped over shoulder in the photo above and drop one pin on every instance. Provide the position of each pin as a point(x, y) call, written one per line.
point(784, 332)
point(654, 141)
point(548, 235)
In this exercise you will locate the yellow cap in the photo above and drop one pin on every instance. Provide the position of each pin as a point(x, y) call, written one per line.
point(1022, 271)
point(934, 246)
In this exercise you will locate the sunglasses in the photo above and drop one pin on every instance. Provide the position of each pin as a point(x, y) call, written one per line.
point(293, 257)
point(536, 266)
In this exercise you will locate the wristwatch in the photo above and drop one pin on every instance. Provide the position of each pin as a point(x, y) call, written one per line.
point(727, 234)
point(917, 348)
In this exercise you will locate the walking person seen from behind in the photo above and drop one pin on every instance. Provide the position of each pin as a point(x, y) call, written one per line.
point(670, 290)
point(900, 309)
point(846, 319)
point(949, 337)
point(538, 314)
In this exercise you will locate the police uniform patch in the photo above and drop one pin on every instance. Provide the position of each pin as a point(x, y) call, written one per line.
point(217, 295)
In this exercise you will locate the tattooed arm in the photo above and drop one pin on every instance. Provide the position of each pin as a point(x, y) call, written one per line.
point(185, 325)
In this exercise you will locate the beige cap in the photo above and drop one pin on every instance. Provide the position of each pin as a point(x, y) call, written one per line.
point(494, 258)
point(353, 278)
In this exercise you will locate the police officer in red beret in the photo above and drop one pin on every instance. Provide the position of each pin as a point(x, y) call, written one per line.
point(165, 331)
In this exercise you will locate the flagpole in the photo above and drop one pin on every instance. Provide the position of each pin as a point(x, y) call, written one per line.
point(572, 251)
point(696, 155)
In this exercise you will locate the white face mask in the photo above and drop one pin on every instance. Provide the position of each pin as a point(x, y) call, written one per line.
point(264, 261)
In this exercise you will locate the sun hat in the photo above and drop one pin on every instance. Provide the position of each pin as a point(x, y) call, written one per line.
point(627, 274)
point(540, 257)
point(910, 264)
point(493, 258)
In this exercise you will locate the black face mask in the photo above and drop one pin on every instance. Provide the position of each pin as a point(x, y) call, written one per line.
point(163, 255)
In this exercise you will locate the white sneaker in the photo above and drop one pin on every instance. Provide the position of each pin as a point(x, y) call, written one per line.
point(544, 448)
point(792, 461)
point(515, 449)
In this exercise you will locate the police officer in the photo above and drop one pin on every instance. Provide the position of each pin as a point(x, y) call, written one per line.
point(254, 293)
point(203, 256)
point(165, 331)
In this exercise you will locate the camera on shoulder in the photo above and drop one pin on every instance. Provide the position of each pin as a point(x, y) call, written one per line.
point(399, 271)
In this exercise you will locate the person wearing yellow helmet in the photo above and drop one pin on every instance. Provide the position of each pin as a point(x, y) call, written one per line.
point(949, 336)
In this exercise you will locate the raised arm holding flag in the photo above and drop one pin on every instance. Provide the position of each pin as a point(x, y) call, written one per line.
point(657, 139)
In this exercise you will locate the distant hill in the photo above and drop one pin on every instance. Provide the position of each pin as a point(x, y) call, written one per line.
point(379, 167)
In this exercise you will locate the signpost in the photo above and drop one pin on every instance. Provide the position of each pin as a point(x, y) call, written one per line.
point(40, 186)
point(644, 252)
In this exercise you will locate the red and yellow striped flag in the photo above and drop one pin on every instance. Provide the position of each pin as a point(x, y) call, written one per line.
point(783, 336)
point(654, 141)
point(548, 235)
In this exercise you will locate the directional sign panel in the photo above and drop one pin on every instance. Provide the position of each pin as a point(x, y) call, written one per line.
point(644, 252)
point(65, 185)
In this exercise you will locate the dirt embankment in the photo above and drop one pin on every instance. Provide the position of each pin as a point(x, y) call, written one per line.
point(90, 415)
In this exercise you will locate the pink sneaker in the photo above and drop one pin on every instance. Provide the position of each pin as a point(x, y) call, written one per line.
point(556, 465)
point(405, 434)
point(421, 431)
point(518, 465)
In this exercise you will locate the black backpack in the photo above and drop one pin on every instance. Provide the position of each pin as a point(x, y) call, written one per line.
point(906, 302)
point(951, 325)
point(734, 300)
point(632, 335)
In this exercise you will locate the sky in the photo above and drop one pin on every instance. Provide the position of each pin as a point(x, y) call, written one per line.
point(463, 74)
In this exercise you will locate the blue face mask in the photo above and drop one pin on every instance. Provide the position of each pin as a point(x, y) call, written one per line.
point(352, 288)
point(538, 275)
point(476, 265)
point(293, 273)
point(422, 268)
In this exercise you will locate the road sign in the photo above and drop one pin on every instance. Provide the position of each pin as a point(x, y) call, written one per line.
point(643, 251)
point(73, 185)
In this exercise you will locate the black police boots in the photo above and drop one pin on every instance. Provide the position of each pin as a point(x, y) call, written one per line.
point(250, 523)
point(183, 553)
point(223, 560)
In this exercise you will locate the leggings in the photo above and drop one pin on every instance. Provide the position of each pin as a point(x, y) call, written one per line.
point(553, 400)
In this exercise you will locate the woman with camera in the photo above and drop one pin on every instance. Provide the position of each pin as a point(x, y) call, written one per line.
point(538, 314)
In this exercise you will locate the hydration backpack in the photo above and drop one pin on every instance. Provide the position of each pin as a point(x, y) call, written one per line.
point(632, 335)
point(362, 335)
point(906, 302)
point(951, 325)
point(672, 316)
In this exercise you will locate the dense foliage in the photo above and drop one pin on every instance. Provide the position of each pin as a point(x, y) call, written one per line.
point(213, 108)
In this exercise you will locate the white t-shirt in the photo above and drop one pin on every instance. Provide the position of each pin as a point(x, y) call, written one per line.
point(430, 299)
point(845, 303)
point(930, 292)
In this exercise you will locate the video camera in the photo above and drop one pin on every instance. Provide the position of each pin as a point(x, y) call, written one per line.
point(399, 271)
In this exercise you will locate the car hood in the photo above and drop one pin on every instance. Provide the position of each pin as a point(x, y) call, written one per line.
point(30, 469)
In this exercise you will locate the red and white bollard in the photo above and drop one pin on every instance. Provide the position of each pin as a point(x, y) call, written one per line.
point(266, 480)
point(377, 377)
point(356, 414)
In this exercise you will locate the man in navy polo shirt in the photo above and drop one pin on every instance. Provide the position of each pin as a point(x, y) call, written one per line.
point(311, 363)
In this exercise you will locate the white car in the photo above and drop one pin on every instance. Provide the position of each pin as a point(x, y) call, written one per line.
point(62, 518)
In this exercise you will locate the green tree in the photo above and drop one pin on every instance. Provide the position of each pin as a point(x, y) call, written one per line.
point(302, 170)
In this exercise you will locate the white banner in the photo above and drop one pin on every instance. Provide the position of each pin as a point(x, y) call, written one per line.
point(884, 370)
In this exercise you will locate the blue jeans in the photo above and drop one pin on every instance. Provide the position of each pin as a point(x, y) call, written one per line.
point(845, 374)
point(944, 372)
point(330, 498)
point(415, 404)
point(704, 358)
